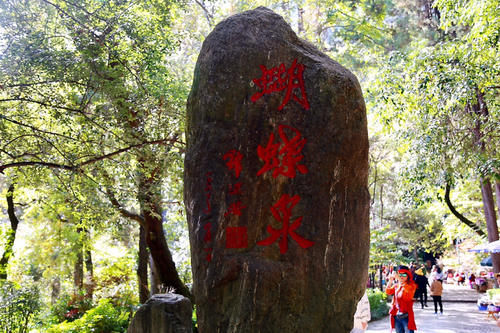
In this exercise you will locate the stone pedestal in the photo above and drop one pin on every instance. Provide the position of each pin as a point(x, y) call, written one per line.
point(163, 313)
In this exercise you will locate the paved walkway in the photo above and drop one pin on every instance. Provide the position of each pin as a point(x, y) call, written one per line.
point(454, 293)
point(460, 315)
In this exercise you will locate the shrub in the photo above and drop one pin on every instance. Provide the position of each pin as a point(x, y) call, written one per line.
point(115, 280)
point(378, 303)
point(104, 318)
point(18, 307)
point(68, 308)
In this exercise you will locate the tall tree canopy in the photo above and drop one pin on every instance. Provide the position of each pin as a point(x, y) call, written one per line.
point(440, 96)
point(86, 89)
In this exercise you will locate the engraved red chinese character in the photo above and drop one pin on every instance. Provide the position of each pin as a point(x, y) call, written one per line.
point(208, 232)
point(283, 157)
point(234, 158)
point(208, 192)
point(235, 189)
point(234, 209)
point(209, 254)
point(280, 78)
point(281, 212)
point(236, 238)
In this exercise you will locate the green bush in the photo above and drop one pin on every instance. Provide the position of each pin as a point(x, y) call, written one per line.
point(378, 303)
point(104, 318)
point(68, 308)
point(18, 307)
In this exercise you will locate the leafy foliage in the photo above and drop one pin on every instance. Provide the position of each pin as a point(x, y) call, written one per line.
point(18, 307)
point(104, 318)
point(378, 303)
point(115, 281)
point(88, 93)
point(427, 90)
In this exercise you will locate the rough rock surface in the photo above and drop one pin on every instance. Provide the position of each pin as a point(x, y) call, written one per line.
point(163, 313)
point(301, 266)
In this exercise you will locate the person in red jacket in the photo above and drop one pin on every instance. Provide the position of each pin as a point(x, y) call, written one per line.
point(402, 317)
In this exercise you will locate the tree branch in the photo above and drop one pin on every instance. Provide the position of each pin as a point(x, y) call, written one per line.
point(208, 16)
point(122, 150)
point(57, 7)
point(20, 99)
point(34, 128)
point(126, 213)
point(25, 85)
point(93, 160)
point(85, 10)
point(34, 163)
point(462, 218)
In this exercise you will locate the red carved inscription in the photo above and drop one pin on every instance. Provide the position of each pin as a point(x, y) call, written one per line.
point(236, 238)
point(283, 157)
point(280, 78)
point(281, 212)
point(234, 158)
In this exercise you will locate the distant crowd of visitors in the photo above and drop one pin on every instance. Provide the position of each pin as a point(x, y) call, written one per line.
point(409, 284)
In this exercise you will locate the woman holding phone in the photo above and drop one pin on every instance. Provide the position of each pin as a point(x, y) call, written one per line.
point(402, 317)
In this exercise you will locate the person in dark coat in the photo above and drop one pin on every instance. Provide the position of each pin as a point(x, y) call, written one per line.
point(422, 283)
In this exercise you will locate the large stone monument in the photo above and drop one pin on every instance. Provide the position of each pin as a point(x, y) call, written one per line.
point(275, 182)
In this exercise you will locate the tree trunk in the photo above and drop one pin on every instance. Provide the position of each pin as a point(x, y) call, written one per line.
point(374, 194)
point(82, 258)
point(381, 273)
point(11, 234)
point(153, 277)
point(491, 219)
point(497, 191)
point(142, 267)
point(300, 19)
point(56, 290)
point(149, 199)
point(78, 272)
point(162, 258)
point(480, 109)
point(78, 268)
point(381, 205)
point(89, 266)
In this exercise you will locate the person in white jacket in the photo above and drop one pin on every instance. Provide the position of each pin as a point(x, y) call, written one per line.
point(362, 315)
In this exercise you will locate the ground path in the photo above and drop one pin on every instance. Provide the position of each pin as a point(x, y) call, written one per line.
point(461, 315)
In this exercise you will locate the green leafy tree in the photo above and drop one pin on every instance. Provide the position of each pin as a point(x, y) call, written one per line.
point(438, 96)
point(18, 306)
point(86, 90)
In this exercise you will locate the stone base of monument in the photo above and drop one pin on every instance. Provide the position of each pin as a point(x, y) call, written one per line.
point(165, 313)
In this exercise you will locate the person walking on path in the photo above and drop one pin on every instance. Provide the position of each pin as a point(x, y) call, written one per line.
point(436, 293)
point(362, 315)
point(422, 283)
point(436, 273)
point(472, 281)
point(402, 316)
